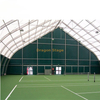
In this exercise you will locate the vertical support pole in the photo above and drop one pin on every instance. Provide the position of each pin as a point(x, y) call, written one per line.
point(84, 69)
point(65, 55)
point(4, 65)
point(1, 62)
point(94, 76)
point(78, 59)
point(22, 61)
point(90, 62)
point(44, 70)
point(37, 57)
point(88, 76)
point(51, 48)
point(0, 75)
point(7, 66)
point(29, 30)
point(71, 69)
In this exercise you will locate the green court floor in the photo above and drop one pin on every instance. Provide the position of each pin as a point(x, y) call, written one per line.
point(50, 87)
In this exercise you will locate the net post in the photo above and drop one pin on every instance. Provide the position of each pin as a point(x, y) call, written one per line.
point(88, 76)
point(94, 76)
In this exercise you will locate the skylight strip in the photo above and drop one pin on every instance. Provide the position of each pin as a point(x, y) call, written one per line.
point(10, 34)
point(31, 35)
point(10, 55)
point(17, 29)
point(6, 47)
point(19, 36)
point(75, 26)
point(79, 35)
point(20, 30)
point(8, 23)
point(93, 25)
point(86, 31)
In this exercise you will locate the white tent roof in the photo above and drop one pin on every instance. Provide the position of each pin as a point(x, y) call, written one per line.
point(15, 34)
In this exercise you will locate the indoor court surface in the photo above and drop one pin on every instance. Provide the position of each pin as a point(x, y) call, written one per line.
point(50, 59)
point(50, 87)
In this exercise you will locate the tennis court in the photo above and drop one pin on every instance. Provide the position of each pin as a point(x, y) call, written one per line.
point(50, 87)
point(49, 59)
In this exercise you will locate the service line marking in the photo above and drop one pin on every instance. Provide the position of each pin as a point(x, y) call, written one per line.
point(20, 79)
point(35, 86)
point(74, 93)
point(11, 92)
point(89, 92)
point(47, 78)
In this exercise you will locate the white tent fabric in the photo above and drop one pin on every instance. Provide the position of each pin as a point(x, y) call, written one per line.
point(15, 34)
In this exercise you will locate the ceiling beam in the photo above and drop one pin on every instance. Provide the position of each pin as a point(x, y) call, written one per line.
point(22, 35)
point(10, 34)
point(17, 29)
point(93, 25)
point(85, 31)
point(7, 23)
point(79, 35)
point(35, 37)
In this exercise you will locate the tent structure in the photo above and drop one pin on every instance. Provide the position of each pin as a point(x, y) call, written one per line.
point(16, 34)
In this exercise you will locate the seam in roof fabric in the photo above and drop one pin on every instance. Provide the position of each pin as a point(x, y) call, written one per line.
point(16, 34)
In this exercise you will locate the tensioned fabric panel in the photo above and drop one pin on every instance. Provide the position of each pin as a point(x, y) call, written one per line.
point(18, 54)
point(4, 63)
point(29, 61)
point(67, 54)
point(81, 52)
point(85, 31)
point(58, 52)
point(41, 69)
point(58, 33)
point(16, 34)
point(14, 70)
point(71, 62)
point(71, 52)
point(44, 50)
point(30, 48)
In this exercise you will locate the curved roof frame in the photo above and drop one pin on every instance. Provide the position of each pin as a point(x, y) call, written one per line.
point(79, 35)
point(86, 35)
point(8, 23)
point(35, 35)
point(15, 34)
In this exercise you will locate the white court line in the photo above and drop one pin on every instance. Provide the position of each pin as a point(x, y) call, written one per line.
point(35, 86)
point(20, 79)
point(34, 81)
point(47, 78)
point(74, 93)
point(11, 92)
point(89, 92)
point(40, 84)
point(71, 80)
point(83, 85)
point(58, 80)
point(64, 84)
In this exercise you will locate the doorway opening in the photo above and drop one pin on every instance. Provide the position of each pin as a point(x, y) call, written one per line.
point(58, 70)
point(29, 70)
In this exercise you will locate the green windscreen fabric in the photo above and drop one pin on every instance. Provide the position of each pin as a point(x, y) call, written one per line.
point(44, 51)
point(53, 49)
point(71, 52)
point(3, 64)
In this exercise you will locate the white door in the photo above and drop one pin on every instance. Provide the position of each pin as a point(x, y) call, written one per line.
point(29, 70)
point(58, 70)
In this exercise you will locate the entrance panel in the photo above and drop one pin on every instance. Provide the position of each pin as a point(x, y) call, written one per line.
point(29, 70)
point(58, 70)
